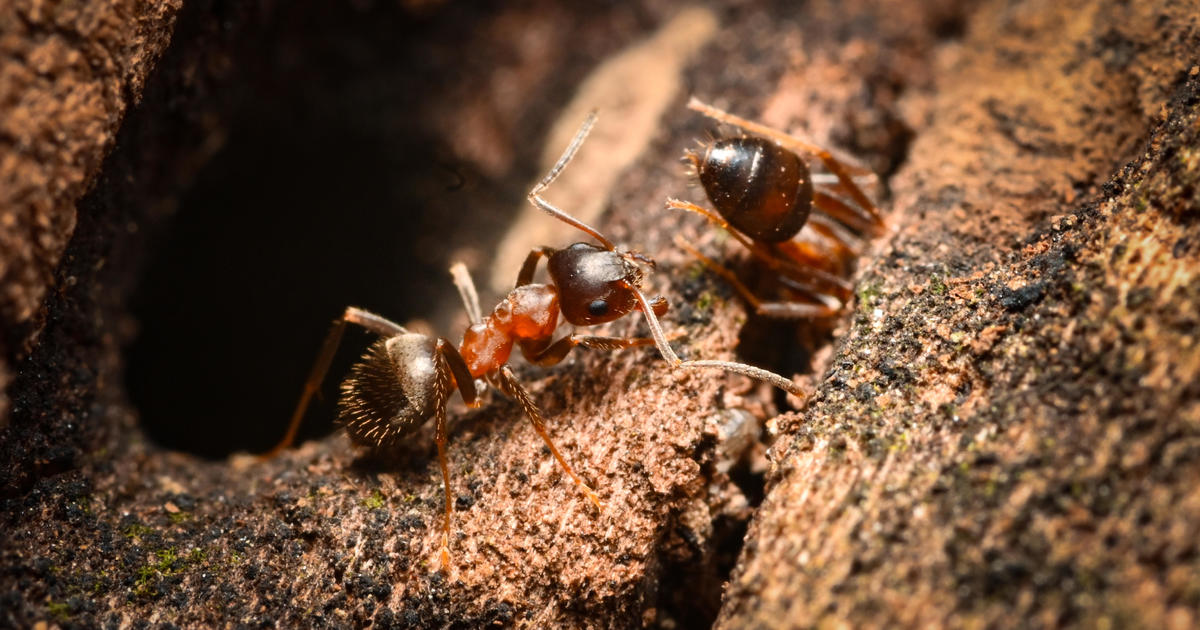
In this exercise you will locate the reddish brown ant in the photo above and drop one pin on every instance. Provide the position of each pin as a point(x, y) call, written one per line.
point(764, 194)
point(406, 378)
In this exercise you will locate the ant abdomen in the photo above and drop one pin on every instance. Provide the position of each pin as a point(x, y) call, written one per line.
point(759, 187)
point(389, 392)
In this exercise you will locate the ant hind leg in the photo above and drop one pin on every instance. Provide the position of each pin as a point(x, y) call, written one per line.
point(372, 322)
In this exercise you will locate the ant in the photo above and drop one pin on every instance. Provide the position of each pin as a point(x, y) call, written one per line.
point(405, 378)
point(765, 193)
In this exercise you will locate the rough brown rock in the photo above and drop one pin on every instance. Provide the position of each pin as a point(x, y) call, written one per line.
point(1006, 431)
point(69, 73)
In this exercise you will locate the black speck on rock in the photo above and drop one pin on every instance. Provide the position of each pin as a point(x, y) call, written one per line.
point(1015, 300)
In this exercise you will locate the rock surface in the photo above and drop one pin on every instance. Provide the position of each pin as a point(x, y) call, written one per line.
point(1006, 430)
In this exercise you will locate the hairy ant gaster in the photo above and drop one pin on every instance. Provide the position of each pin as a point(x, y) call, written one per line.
point(764, 194)
point(405, 378)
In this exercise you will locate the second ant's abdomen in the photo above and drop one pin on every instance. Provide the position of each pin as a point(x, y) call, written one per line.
point(762, 189)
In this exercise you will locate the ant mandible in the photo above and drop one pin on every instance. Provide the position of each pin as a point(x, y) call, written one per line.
point(764, 194)
point(405, 378)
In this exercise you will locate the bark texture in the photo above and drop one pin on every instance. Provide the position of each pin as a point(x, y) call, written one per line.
point(1009, 431)
point(1005, 432)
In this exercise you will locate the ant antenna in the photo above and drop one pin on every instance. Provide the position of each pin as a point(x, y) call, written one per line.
point(664, 348)
point(535, 195)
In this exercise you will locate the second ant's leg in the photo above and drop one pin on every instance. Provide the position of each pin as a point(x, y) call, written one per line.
point(856, 219)
point(833, 164)
point(508, 384)
point(817, 247)
point(366, 319)
point(810, 278)
point(778, 310)
point(716, 220)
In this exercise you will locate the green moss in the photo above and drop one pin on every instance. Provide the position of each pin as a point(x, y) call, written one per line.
point(375, 501)
point(867, 294)
point(179, 517)
point(59, 610)
point(167, 564)
point(936, 286)
point(705, 301)
point(138, 531)
point(99, 583)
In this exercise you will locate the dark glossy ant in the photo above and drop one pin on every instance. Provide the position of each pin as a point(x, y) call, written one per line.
point(764, 194)
point(406, 378)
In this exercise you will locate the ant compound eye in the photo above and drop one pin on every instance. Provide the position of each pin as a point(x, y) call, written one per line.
point(598, 308)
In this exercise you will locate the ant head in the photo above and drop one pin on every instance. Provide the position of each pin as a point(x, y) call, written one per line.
point(595, 284)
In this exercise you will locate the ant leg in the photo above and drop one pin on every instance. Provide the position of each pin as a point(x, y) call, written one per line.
point(807, 277)
point(777, 310)
point(530, 266)
point(466, 290)
point(441, 395)
point(833, 164)
point(664, 348)
point(507, 383)
point(844, 212)
point(720, 222)
point(372, 322)
point(462, 375)
point(850, 246)
point(558, 351)
point(451, 369)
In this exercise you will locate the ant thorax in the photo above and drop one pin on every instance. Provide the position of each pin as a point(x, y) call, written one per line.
point(528, 312)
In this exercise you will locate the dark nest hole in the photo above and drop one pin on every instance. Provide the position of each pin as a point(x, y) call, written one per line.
point(336, 184)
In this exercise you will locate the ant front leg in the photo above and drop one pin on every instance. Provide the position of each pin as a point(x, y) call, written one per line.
point(372, 322)
point(557, 351)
